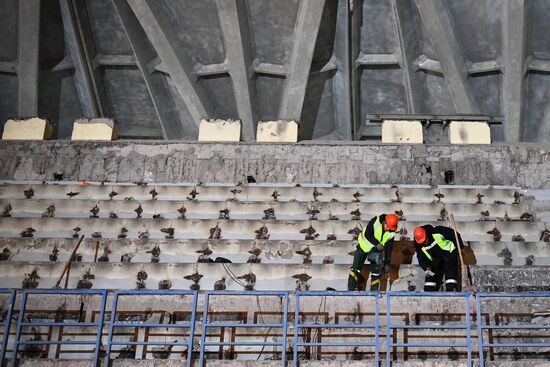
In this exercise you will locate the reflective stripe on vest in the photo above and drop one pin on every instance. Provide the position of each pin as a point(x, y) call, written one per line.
point(381, 237)
point(439, 240)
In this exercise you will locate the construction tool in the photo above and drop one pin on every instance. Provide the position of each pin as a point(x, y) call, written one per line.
point(68, 264)
point(462, 266)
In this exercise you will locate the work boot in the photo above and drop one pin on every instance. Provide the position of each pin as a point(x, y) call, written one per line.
point(354, 278)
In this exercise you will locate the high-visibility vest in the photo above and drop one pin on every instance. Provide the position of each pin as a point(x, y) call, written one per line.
point(445, 245)
point(381, 236)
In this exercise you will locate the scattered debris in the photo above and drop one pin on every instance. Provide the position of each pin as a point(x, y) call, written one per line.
point(195, 278)
point(28, 233)
point(517, 197)
point(154, 194)
point(397, 196)
point(527, 217)
point(155, 254)
point(312, 212)
point(518, 238)
point(105, 256)
point(143, 235)
point(262, 233)
point(31, 280)
point(126, 258)
point(165, 284)
point(255, 252)
point(479, 197)
point(301, 282)
point(219, 285)
point(328, 260)
point(76, 230)
point(224, 214)
point(316, 194)
point(269, 214)
point(250, 280)
point(53, 255)
point(122, 234)
point(545, 235)
point(86, 281)
point(29, 193)
point(331, 237)
point(307, 255)
point(182, 211)
point(496, 234)
point(5, 256)
point(72, 194)
point(96, 235)
point(193, 194)
point(275, 195)
point(139, 210)
point(439, 196)
point(7, 210)
point(50, 212)
point(112, 194)
point(215, 233)
point(357, 196)
point(169, 232)
point(355, 232)
point(205, 255)
point(310, 232)
point(530, 260)
point(443, 215)
point(356, 214)
point(506, 255)
point(113, 215)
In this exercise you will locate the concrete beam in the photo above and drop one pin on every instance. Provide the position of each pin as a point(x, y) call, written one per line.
point(8, 67)
point(233, 16)
point(210, 69)
point(84, 78)
point(29, 38)
point(356, 15)
point(308, 21)
point(376, 59)
point(441, 31)
point(161, 39)
point(269, 68)
point(515, 32)
point(423, 62)
point(113, 60)
point(481, 67)
point(171, 128)
point(403, 62)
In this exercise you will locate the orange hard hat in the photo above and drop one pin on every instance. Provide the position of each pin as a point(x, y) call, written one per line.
point(391, 221)
point(419, 235)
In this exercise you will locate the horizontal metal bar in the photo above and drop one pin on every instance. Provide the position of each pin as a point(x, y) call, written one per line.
point(57, 324)
point(336, 294)
point(136, 324)
point(336, 326)
point(42, 342)
point(251, 344)
point(428, 326)
point(152, 292)
point(525, 345)
point(65, 291)
point(147, 343)
point(247, 293)
point(484, 118)
point(414, 345)
point(511, 327)
point(523, 295)
point(428, 294)
point(244, 325)
point(321, 344)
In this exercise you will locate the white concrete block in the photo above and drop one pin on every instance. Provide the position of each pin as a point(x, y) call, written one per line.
point(29, 129)
point(469, 132)
point(95, 129)
point(220, 130)
point(402, 132)
point(277, 131)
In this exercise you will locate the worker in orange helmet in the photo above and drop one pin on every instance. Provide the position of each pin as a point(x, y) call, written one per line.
point(375, 243)
point(437, 256)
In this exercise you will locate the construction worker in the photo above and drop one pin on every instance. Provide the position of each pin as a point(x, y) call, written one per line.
point(375, 243)
point(437, 256)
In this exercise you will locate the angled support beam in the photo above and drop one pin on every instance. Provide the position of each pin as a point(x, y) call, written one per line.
point(84, 78)
point(29, 36)
point(308, 21)
point(171, 127)
point(161, 39)
point(376, 60)
point(113, 60)
point(515, 30)
point(269, 68)
point(233, 16)
point(403, 62)
point(440, 30)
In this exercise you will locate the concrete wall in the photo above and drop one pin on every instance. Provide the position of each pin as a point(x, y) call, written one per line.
point(524, 165)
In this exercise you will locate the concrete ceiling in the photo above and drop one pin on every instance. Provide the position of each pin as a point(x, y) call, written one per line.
point(158, 66)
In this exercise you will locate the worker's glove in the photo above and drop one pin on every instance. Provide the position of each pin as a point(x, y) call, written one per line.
point(430, 272)
point(380, 247)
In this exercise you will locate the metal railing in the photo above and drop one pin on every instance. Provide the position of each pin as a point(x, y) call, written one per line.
point(298, 325)
point(114, 324)
point(282, 325)
point(6, 323)
point(25, 316)
point(390, 326)
point(481, 327)
point(21, 323)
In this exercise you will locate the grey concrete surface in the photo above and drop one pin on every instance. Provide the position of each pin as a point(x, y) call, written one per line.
point(525, 165)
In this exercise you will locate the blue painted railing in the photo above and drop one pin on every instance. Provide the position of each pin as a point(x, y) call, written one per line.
point(298, 325)
point(56, 292)
point(114, 324)
point(282, 325)
point(467, 326)
point(481, 326)
point(6, 323)
point(390, 326)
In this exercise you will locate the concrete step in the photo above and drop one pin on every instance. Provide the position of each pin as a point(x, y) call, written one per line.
point(69, 208)
point(244, 251)
point(263, 193)
point(245, 229)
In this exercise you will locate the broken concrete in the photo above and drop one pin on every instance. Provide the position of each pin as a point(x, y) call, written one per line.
point(28, 129)
point(277, 132)
point(95, 129)
point(220, 130)
point(523, 165)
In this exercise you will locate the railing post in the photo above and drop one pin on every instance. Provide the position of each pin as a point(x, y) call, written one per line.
point(192, 329)
point(388, 329)
point(296, 330)
point(203, 332)
point(20, 318)
point(111, 327)
point(7, 323)
point(100, 327)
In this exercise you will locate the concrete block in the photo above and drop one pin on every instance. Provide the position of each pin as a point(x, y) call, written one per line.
point(95, 129)
point(402, 132)
point(469, 132)
point(220, 130)
point(277, 131)
point(29, 129)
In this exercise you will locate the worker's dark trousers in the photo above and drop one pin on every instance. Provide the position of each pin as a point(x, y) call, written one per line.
point(443, 266)
point(374, 257)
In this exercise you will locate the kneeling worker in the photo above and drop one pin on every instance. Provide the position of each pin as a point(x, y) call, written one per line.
point(437, 256)
point(375, 244)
